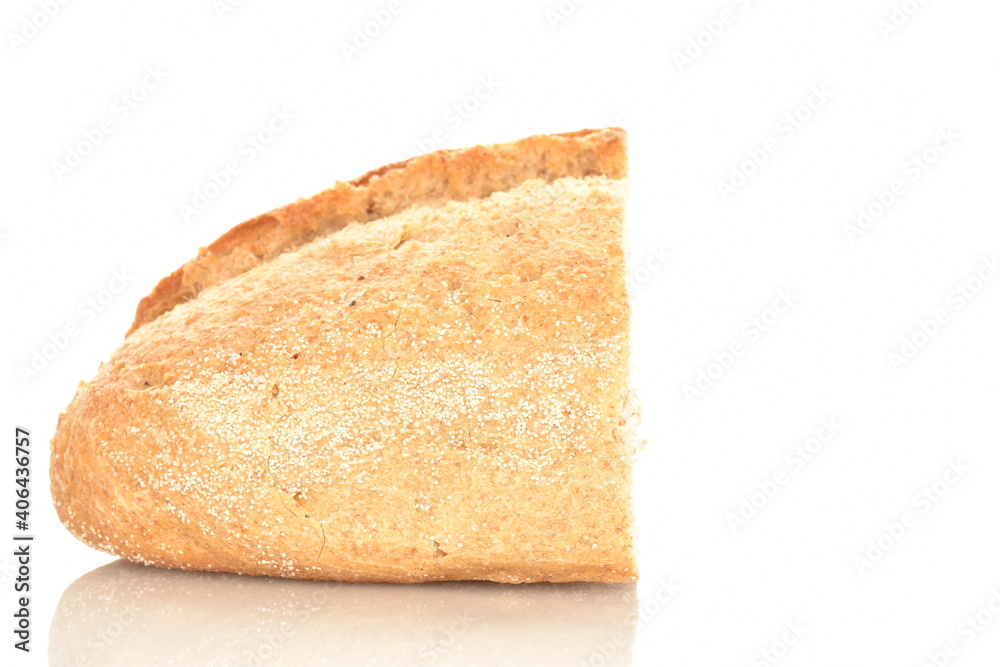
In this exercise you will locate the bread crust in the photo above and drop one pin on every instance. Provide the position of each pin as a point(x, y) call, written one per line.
point(434, 178)
point(439, 394)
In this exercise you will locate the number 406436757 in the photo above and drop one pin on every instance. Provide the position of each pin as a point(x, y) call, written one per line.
point(22, 474)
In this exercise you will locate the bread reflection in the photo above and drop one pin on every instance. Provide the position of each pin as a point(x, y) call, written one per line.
point(127, 614)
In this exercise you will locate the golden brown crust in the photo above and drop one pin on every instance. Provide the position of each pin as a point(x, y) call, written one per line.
point(437, 394)
point(434, 178)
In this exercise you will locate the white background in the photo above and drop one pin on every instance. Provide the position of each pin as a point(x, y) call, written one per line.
point(856, 296)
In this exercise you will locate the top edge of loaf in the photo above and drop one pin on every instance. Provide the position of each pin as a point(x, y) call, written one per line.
point(431, 179)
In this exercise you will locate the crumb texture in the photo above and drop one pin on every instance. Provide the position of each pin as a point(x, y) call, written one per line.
point(439, 393)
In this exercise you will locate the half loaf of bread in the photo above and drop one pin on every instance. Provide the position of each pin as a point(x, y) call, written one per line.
point(418, 375)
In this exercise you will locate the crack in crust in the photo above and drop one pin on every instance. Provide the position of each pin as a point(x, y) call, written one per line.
point(430, 179)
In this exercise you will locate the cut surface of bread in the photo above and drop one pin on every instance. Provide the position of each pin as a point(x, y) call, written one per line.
point(428, 380)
